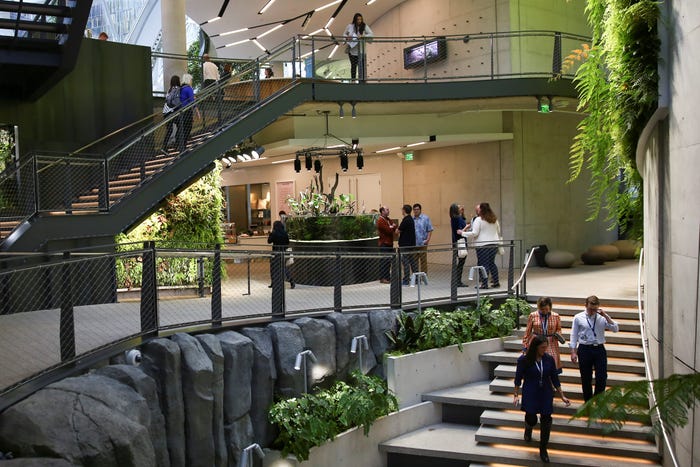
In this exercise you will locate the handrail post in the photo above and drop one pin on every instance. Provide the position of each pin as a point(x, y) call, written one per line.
point(511, 258)
point(216, 287)
point(492, 54)
point(313, 58)
point(277, 281)
point(338, 283)
point(149, 289)
point(67, 320)
point(395, 292)
point(454, 280)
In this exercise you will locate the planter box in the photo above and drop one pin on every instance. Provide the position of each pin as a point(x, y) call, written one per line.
point(410, 376)
point(352, 448)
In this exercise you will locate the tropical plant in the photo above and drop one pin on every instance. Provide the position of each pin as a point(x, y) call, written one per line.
point(617, 85)
point(314, 202)
point(191, 218)
point(434, 328)
point(676, 396)
point(314, 418)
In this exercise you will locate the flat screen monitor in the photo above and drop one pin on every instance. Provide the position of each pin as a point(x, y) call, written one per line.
point(430, 51)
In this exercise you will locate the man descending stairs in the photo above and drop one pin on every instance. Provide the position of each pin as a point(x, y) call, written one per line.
point(481, 425)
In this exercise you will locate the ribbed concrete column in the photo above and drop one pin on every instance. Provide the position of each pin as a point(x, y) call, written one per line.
point(172, 14)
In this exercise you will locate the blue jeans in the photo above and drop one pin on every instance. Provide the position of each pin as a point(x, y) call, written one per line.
point(486, 257)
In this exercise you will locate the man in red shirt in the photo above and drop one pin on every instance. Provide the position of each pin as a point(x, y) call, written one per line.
point(386, 229)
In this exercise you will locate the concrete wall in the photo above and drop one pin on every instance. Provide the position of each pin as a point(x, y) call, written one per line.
point(672, 220)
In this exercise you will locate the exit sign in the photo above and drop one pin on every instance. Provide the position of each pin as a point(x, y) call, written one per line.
point(408, 156)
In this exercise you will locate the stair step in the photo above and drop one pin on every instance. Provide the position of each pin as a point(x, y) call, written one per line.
point(613, 350)
point(505, 386)
point(457, 442)
point(563, 423)
point(621, 337)
point(610, 446)
point(615, 312)
point(571, 375)
point(631, 325)
point(623, 365)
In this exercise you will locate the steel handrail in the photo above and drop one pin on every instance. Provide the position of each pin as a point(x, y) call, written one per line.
point(647, 364)
point(527, 264)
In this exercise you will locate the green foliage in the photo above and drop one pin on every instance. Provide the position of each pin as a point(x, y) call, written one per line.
point(676, 396)
point(433, 328)
point(516, 307)
point(618, 92)
point(194, 65)
point(313, 419)
point(332, 227)
point(190, 219)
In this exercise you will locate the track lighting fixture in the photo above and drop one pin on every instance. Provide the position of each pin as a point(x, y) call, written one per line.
point(308, 161)
point(353, 113)
point(360, 160)
point(344, 161)
point(341, 111)
point(297, 165)
point(317, 166)
point(355, 142)
point(257, 152)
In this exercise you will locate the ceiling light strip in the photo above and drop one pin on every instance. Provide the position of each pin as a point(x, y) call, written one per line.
point(270, 31)
point(415, 144)
point(328, 5)
point(395, 148)
point(267, 5)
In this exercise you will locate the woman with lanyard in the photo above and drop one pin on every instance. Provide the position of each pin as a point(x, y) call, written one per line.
point(539, 372)
point(547, 325)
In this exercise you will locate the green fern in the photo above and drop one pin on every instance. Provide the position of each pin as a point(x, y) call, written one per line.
point(676, 396)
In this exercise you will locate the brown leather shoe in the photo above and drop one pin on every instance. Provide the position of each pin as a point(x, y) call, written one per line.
point(385, 281)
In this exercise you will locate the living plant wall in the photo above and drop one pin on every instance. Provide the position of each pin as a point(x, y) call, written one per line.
point(190, 219)
point(618, 92)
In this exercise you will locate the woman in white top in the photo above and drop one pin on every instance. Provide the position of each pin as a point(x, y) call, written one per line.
point(486, 236)
point(354, 34)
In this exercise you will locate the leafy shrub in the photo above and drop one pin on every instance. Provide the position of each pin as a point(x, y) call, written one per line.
point(313, 419)
point(433, 328)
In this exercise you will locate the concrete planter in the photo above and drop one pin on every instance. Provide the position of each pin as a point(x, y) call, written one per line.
point(409, 376)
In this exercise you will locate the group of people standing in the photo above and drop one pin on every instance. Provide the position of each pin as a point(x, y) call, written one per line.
point(484, 231)
point(539, 366)
point(414, 233)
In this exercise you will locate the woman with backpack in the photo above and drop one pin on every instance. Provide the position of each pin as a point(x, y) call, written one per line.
point(172, 103)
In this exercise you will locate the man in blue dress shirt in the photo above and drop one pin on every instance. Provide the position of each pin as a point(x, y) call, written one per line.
point(588, 333)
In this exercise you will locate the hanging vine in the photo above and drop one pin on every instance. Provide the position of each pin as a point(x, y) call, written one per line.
point(617, 85)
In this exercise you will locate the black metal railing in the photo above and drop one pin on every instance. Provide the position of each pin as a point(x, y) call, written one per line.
point(60, 309)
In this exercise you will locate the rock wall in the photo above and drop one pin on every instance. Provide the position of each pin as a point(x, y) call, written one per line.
point(193, 400)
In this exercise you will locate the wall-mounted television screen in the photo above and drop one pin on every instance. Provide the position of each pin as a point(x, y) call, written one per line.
point(430, 51)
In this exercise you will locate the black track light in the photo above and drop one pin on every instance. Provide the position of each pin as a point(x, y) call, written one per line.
point(355, 142)
point(309, 161)
point(297, 165)
point(344, 161)
point(317, 166)
point(360, 160)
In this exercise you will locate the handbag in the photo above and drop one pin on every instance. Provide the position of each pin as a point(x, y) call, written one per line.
point(290, 257)
point(501, 250)
point(462, 248)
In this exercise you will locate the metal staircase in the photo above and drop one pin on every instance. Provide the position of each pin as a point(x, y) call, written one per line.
point(480, 424)
point(44, 44)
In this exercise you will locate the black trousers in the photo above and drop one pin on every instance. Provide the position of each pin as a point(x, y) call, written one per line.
point(592, 357)
point(385, 265)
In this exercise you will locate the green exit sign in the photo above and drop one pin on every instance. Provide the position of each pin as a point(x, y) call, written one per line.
point(408, 156)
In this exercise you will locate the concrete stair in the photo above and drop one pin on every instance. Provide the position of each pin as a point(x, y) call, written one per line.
point(481, 427)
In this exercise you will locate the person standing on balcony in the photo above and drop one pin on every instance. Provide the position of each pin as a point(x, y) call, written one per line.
point(588, 346)
point(547, 325)
point(386, 228)
point(424, 230)
point(485, 232)
point(186, 119)
point(407, 244)
point(457, 222)
point(280, 241)
point(537, 372)
point(355, 36)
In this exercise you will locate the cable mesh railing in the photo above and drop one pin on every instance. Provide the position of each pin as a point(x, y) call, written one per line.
point(83, 302)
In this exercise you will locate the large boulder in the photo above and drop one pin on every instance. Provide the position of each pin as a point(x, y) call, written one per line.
point(36, 462)
point(264, 378)
point(319, 337)
point(212, 347)
point(628, 248)
point(611, 252)
point(593, 258)
point(86, 420)
point(197, 383)
point(348, 326)
point(559, 259)
point(140, 382)
point(288, 342)
point(161, 360)
point(381, 321)
point(239, 435)
point(238, 374)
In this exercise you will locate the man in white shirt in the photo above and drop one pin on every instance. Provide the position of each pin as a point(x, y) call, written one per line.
point(588, 332)
point(210, 71)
